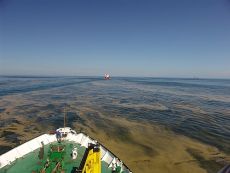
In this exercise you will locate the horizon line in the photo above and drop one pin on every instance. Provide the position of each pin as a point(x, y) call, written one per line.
point(115, 76)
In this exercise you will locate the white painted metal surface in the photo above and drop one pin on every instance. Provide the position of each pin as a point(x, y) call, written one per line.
point(25, 148)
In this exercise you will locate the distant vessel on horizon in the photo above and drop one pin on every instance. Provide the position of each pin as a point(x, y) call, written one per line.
point(107, 76)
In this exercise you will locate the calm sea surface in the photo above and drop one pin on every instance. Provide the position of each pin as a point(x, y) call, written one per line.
point(198, 108)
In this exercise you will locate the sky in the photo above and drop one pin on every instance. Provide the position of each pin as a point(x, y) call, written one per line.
point(154, 38)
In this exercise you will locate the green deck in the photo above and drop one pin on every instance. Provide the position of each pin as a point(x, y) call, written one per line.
point(31, 163)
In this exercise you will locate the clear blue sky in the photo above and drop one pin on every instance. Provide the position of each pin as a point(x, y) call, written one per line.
point(159, 38)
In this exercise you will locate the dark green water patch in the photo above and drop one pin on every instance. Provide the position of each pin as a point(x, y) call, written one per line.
point(9, 121)
point(2, 110)
point(10, 136)
point(4, 149)
point(74, 117)
point(57, 120)
point(30, 128)
point(211, 166)
point(147, 150)
point(49, 107)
